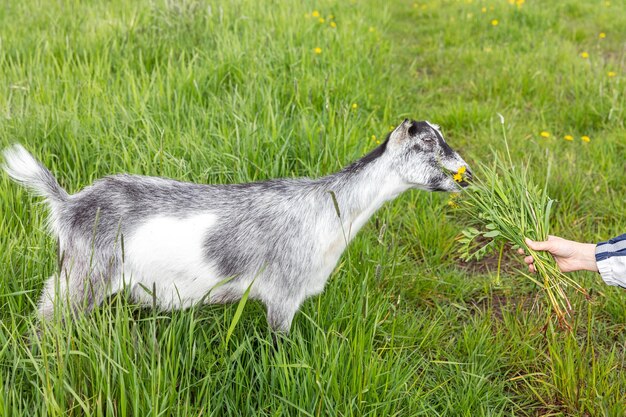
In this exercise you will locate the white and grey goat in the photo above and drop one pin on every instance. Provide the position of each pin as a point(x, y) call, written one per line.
point(195, 242)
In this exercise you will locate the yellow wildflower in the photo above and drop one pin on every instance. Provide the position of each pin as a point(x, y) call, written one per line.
point(355, 106)
point(602, 35)
point(568, 137)
point(494, 22)
point(519, 3)
point(317, 50)
point(315, 13)
point(374, 137)
point(457, 177)
point(321, 20)
point(545, 134)
point(585, 139)
point(333, 25)
point(611, 73)
point(462, 170)
point(452, 204)
point(584, 55)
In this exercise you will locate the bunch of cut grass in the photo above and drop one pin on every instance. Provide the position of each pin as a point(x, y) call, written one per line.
point(505, 206)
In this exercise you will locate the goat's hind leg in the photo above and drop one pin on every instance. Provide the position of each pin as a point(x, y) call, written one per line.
point(77, 289)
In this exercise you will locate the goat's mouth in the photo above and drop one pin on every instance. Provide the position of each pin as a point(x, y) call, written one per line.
point(462, 177)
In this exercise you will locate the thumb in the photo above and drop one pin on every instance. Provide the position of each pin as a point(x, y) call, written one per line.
point(540, 246)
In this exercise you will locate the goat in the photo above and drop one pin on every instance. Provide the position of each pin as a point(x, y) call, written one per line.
point(195, 243)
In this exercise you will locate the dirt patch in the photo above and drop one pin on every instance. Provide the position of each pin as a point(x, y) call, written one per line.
point(511, 261)
point(499, 302)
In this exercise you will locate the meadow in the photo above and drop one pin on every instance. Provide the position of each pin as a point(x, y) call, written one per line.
point(243, 90)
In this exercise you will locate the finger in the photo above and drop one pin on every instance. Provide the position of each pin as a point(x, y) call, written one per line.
point(532, 268)
point(538, 245)
point(529, 260)
point(520, 251)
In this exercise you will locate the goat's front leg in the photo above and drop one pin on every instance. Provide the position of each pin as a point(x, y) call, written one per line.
point(280, 313)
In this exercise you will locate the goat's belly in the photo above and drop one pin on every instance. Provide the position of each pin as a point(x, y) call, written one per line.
point(164, 261)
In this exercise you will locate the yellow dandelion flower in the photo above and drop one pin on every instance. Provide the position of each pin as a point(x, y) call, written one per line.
point(373, 137)
point(391, 128)
point(585, 139)
point(611, 73)
point(457, 177)
point(321, 20)
point(452, 204)
point(315, 13)
point(545, 134)
point(584, 55)
point(317, 50)
point(519, 3)
point(494, 22)
point(377, 142)
point(568, 137)
point(602, 35)
point(462, 170)
point(484, 10)
point(355, 106)
point(333, 25)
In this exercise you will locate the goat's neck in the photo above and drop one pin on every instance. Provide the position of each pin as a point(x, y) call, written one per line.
point(361, 189)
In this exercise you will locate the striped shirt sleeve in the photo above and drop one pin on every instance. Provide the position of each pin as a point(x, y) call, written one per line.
point(611, 260)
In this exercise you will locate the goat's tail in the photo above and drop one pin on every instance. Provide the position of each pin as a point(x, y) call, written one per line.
point(26, 170)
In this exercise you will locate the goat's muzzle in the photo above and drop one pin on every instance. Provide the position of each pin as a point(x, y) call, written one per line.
point(467, 178)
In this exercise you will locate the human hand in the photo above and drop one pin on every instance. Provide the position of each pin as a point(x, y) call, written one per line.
point(569, 255)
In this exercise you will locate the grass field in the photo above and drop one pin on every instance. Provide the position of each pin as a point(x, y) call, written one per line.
point(246, 90)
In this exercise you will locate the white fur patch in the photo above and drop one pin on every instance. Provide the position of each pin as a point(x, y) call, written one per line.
point(166, 253)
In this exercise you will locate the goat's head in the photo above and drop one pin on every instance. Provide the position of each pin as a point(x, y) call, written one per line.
point(423, 159)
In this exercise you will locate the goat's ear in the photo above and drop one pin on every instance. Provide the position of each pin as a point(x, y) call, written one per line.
point(405, 130)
